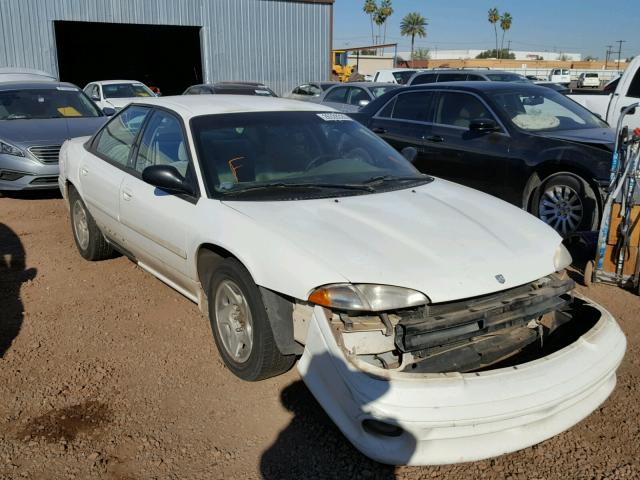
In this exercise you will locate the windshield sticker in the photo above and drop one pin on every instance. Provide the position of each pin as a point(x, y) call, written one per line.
point(334, 117)
point(67, 89)
point(69, 112)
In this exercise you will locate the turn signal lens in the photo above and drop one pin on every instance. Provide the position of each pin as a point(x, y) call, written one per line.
point(366, 297)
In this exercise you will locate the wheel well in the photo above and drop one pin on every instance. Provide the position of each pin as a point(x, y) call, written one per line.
point(548, 169)
point(208, 258)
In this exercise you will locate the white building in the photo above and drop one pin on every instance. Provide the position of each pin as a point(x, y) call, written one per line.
point(438, 54)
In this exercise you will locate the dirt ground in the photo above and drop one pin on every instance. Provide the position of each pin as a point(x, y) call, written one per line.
point(107, 373)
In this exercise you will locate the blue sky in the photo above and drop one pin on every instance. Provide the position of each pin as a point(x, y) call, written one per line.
point(584, 26)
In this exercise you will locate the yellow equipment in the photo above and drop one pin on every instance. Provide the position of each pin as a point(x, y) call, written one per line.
point(340, 69)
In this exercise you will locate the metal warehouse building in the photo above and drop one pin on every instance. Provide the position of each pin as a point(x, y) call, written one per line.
point(170, 43)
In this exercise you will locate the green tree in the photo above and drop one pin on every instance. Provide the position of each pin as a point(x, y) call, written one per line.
point(370, 8)
point(505, 24)
point(505, 53)
point(494, 18)
point(422, 54)
point(411, 25)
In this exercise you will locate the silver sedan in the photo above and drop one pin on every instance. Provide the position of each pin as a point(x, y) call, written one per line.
point(351, 97)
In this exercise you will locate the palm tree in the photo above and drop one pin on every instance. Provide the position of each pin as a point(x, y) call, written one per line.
point(505, 24)
point(413, 24)
point(494, 17)
point(384, 12)
point(370, 8)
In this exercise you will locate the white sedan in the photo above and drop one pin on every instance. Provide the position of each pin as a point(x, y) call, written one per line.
point(434, 323)
point(116, 94)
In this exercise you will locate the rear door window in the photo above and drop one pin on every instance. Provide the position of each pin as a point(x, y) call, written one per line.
point(337, 95)
point(116, 139)
point(452, 77)
point(426, 78)
point(414, 106)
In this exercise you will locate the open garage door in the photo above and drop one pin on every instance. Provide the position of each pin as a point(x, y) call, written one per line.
point(167, 57)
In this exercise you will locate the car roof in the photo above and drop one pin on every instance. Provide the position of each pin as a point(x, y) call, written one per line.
point(112, 82)
point(397, 69)
point(35, 84)
point(368, 84)
point(195, 105)
point(475, 86)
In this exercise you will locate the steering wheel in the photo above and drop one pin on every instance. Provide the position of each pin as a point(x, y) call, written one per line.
point(319, 160)
point(361, 154)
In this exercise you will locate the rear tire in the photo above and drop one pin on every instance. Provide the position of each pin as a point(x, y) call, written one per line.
point(567, 203)
point(89, 239)
point(240, 326)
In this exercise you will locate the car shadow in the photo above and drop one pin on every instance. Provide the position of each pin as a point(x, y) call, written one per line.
point(312, 446)
point(13, 273)
point(48, 194)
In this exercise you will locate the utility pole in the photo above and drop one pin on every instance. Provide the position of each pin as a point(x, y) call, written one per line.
point(619, 42)
point(606, 59)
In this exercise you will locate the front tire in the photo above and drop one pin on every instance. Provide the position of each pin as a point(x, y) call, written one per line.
point(240, 325)
point(89, 239)
point(567, 203)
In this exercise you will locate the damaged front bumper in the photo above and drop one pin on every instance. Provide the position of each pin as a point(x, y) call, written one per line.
point(397, 417)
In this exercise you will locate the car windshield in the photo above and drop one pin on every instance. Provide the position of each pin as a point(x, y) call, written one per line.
point(314, 154)
point(403, 77)
point(243, 90)
point(56, 102)
point(126, 90)
point(506, 77)
point(378, 91)
point(544, 110)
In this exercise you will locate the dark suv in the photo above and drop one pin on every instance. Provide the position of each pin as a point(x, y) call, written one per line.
point(461, 75)
point(526, 144)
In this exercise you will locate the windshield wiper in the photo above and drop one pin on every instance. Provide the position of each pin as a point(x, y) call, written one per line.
point(393, 178)
point(282, 185)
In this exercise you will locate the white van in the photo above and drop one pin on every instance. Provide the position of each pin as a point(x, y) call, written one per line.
point(561, 76)
point(591, 79)
point(394, 75)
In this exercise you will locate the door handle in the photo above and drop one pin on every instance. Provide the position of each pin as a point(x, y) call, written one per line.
point(84, 171)
point(379, 130)
point(435, 139)
point(126, 195)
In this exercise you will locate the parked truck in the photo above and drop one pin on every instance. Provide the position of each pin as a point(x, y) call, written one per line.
point(627, 92)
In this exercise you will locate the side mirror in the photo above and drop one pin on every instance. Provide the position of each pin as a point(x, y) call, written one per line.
point(95, 98)
point(483, 125)
point(166, 177)
point(630, 111)
point(108, 111)
point(363, 103)
point(410, 153)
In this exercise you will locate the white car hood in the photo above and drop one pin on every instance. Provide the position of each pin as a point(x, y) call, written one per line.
point(445, 240)
point(121, 102)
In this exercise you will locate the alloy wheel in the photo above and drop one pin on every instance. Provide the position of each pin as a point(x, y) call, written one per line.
point(561, 208)
point(80, 224)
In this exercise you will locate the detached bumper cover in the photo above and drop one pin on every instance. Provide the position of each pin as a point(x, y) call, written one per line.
point(453, 417)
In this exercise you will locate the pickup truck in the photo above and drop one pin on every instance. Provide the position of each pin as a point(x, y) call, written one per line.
point(627, 92)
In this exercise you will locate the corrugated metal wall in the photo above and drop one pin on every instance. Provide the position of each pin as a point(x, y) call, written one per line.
point(280, 42)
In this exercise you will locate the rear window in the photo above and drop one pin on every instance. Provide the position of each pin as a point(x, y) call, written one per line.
point(591, 75)
point(506, 77)
point(404, 76)
point(413, 106)
point(422, 79)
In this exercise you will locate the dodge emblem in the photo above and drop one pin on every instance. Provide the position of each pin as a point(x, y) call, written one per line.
point(500, 278)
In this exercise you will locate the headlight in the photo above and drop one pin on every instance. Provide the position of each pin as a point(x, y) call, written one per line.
point(562, 259)
point(8, 149)
point(366, 297)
